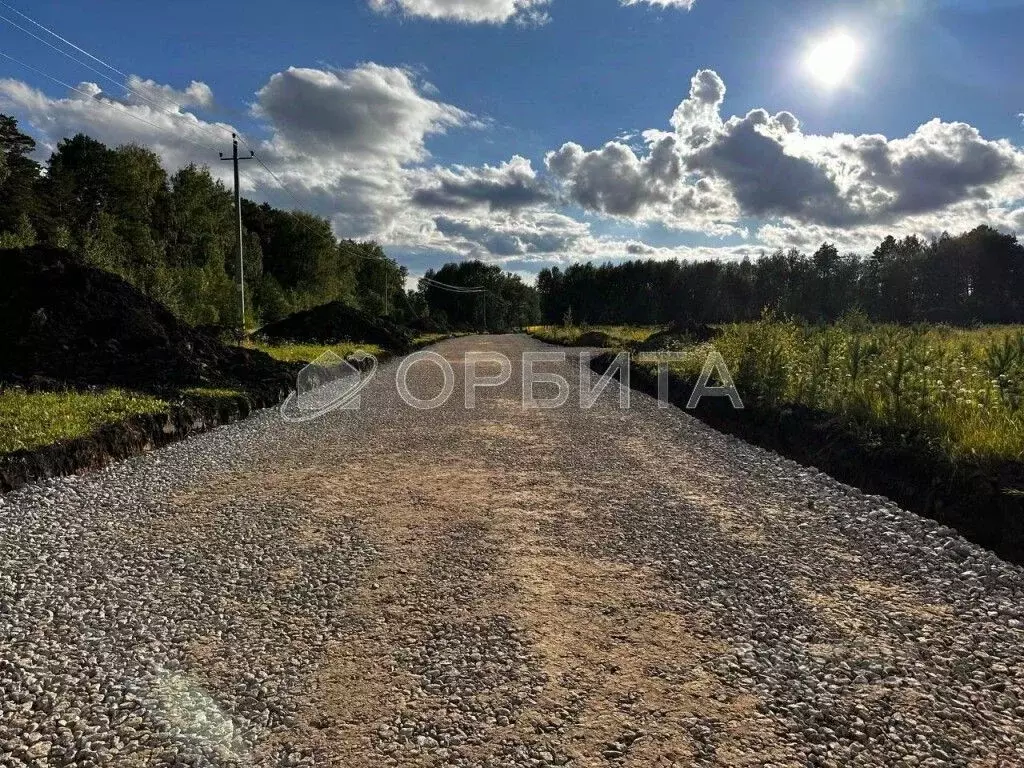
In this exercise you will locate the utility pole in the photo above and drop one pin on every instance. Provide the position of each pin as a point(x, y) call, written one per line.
point(238, 208)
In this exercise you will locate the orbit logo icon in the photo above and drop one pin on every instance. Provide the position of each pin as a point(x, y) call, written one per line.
point(328, 384)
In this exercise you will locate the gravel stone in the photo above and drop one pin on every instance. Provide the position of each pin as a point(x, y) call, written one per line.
point(495, 587)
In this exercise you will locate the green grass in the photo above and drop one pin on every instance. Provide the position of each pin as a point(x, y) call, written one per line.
point(431, 338)
point(31, 420)
point(307, 353)
point(961, 390)
point(621, 335)
point(211, 393)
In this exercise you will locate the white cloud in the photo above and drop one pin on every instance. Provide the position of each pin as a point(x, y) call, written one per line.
point(687, 4)
point(613, 179)
point(197, 94)
point(469, 11)
point(707, 173)
point(698, 113)
point(510, 186)
point(531, 236)
point(365, 114)
point(340, 141)
point(352, 145)
point(177, 135)
point(654, 186)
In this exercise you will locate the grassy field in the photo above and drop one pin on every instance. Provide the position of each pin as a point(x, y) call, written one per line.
point(620, 335)
point(306, 353)
point(33, 419)
point(432, 338)
point(961, 389)
point(30, 420)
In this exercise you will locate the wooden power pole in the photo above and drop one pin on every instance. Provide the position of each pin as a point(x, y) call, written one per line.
point(238, 208)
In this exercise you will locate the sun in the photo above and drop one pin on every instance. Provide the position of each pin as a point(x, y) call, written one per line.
point(831, 59)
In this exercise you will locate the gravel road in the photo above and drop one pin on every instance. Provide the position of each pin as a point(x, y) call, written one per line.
point(495, 587)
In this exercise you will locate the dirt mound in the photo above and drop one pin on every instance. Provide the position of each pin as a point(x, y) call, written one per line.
point(678, 336)
point(427, 324)
point(67, 323)
point(595, 339)
point(336, 322)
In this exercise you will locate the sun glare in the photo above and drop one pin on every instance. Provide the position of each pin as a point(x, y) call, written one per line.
point(831, 59)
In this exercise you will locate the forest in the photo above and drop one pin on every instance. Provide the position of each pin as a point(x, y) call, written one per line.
point(970, 279)
point(173, 236)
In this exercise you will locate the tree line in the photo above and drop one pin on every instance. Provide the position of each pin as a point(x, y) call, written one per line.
point(500, 301)
point(972, 278)
point(175, 236)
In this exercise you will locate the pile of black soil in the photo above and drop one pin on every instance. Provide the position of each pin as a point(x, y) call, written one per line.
point(679, 336)
point(67, 324)
point(427, 324)
point(337, 322)
point(595, 339)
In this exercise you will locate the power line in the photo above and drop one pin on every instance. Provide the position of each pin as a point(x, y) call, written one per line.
point(455, 288)
point(130, 90)
point(63, 40)
point(177, 107)
point(143, 97)
point(58, 50)
point(113, 104)
point(120, 84)
point(280, 183)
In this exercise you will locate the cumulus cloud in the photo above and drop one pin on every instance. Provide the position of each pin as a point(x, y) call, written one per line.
point(342, 141)
point(370, 112)
point(469, 11)
point(639, 249)
point(656, 184)
point(174, 133)
point(197, 94)
point(937, 165)
point(698, 113)
point(708, 172)
point(613, 179)
point(748, 154)
point(352, 145)
point(615, 249)
point(510, 186)
point(532, 236)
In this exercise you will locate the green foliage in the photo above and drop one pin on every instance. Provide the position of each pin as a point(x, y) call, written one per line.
point(381, 282)
point(19, 184)
point(307, 353)
point(22, 237)
point(505, 303)
point(212, 396)
point(958, 389)
point(976, 277)
point(175, 237)
point(33, 419)
point(426, 339)
point(622, 336)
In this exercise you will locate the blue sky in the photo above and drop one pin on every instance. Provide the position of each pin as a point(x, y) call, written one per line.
point(527, 129)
